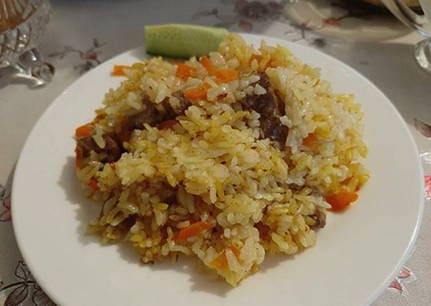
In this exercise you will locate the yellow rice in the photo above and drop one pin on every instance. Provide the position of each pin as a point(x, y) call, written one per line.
point(214, 166)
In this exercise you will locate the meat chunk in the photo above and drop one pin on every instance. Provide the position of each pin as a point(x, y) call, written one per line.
point(270, 107)
point(113, 147)
point(150, 115)
point(153, 114)
point(320, 219)
point(86, 145)
point(177, 106)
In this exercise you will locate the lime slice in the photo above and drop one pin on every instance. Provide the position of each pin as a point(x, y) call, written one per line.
point(182, 40)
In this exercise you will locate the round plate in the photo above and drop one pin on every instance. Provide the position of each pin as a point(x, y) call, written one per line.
point(356, 255)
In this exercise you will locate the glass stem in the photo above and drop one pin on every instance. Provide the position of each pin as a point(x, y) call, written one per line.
point(423, 54)
point(31, 67)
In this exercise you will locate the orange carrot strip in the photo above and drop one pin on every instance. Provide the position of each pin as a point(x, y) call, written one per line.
point(118, 70)
point(209, 66)
point(341, 200)
point(222, 75)
point(272, 64)
point(93, 185)
point(310, 141)
point(221, 260)
point(185, 71)
point(83, 131)
point(193, 230)
point(346, 181)
point(199, 92)
point(226, 75)
point(235, 250)
point(79, 163)
point(167, 124)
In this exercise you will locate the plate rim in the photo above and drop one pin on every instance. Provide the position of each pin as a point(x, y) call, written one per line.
point(372, 296)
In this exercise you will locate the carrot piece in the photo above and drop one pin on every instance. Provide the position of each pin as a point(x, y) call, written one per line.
point(84, 131)
point(346, 181)
point(198, 92)
point(262, 62)
point(167, 124)
point(193, 230)
point(209, 66)
point(221, 260)
point(341, 200)
point(185, 71)
point(310, 141)
point(93, 185)
point(222, 75)
point(118, 70)
point(226, 75)
point(271, 64)
point(79, 163)
point(235, 250)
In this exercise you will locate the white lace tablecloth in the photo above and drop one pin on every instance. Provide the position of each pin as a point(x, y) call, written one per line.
point(83, 34)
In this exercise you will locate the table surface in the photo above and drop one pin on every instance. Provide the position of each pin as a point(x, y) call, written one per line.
point(82, 34)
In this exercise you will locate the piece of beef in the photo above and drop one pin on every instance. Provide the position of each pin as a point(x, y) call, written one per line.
point(113, 148)
point(171, 109)
point(86, 145)
point(270, 107)
point(154, 114)
point(150, 115)
point(320, 219)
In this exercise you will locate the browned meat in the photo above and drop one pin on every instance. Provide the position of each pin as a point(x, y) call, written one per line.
point(86, 145)
point(154, 115)
point(264, 230)
point(271, 108)
point(112, 149)
point(179, 107)
point(149, 115)
point(320, 219)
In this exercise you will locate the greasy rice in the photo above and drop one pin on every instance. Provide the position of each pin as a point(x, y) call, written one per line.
point(227, 158)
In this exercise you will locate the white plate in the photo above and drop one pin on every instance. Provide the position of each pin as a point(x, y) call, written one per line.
point(356, 255)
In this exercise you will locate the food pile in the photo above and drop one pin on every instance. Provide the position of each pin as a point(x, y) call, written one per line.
point(228, 157)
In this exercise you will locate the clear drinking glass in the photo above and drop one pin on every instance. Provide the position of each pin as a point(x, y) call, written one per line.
point(22, 22)
point(421, 23)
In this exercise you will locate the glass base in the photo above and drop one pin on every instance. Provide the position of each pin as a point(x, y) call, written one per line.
point(31, 69)
point(423, 54)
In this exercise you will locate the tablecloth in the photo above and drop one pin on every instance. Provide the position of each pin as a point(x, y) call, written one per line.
point(82, 34)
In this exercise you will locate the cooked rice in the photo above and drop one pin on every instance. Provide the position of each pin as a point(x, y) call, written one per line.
point(213, 165)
